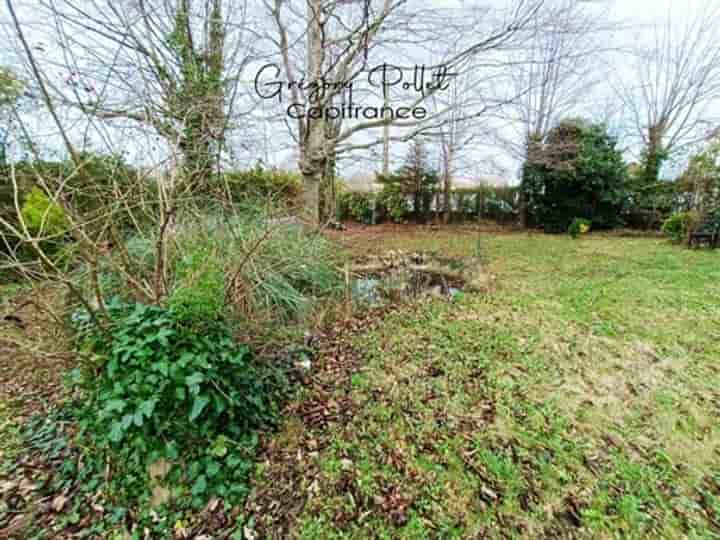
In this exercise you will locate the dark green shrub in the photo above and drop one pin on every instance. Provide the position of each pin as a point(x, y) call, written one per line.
point(576, 171)
point(157, 390)
point(650, 203)
point(415, 180)
point(673, 226)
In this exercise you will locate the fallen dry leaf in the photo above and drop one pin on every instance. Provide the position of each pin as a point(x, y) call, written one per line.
point(59, 503)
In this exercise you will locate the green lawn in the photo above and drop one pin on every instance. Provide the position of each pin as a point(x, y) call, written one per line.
point(578, 397)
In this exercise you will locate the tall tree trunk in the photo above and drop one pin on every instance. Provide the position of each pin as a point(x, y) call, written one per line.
point(654, 154)
point(447, 199)
point(199, 102)
point(313, 160)
point(386, 141)
point(3, 151)
point(522, 202)
point(417, 205)
point(448, 157)
point(327, 190)
point(312, 177)
point(313, 165)
point(523, 210)
point(532, 150)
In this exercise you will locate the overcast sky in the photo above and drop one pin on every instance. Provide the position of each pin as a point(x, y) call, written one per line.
point(634, 14)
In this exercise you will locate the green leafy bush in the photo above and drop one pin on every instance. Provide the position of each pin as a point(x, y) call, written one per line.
point(199, 285)
point(679, 225)
point(673, 226)
point(416, 182)
point(356, 206)
point(578, 227)
point(650, 203)
point(393, 203)
point(42, 216)
point(283, 187)
point(168, 385)
point(157, 390)
point(92, 189)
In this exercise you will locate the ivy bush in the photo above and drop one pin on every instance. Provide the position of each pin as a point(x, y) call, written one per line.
point(156, 389)
point(168, 386)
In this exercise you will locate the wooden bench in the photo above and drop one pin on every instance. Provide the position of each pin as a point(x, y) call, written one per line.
point(707, 232)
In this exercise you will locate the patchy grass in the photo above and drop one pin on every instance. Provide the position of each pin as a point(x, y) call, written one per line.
point(579, 398)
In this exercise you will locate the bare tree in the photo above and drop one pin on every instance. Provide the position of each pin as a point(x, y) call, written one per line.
point(457, 133)
point(173, 66)
point(124, 77)
point(335, 45)
point(553, 72)
point(672, 84)
point(556, 67)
